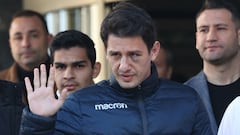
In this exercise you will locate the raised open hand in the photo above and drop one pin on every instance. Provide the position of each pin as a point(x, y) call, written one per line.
point(42, 99)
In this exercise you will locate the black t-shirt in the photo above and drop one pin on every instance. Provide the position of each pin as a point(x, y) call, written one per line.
point(221, 96)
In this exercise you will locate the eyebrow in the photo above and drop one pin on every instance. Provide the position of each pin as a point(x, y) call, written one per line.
point(72, 63)
point(20, 33)
point(219, 24)
point(132, 51)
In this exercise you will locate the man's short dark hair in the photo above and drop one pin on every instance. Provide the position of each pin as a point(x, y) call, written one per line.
point(30, 13)
point(73, 38)
point(128, 20)
point(222, 4)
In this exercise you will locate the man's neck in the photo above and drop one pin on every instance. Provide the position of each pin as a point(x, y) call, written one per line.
point(29, 67)
point(222, 74)
point(22, 73)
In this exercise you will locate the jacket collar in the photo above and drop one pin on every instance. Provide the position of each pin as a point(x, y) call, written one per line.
point(147, 87)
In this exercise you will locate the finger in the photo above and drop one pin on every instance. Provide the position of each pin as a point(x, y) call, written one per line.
point(64, 95)
point(28, 85)
point(51, 77)
point(36, 81)
point(43, 76)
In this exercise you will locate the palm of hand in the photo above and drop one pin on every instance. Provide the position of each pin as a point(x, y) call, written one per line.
point(43, 102)
point(42, 99)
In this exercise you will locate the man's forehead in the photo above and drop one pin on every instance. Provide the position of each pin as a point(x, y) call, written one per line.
point(71, 55)
point(220, 15)
point(116, 42)
point(70, 62)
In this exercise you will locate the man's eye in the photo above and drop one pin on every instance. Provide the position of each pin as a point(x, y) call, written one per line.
point(203, 30)
point(115, 55)
point(60, 67)
point(221, 28)
point(80, 66)
point(17, 38)
point(134, 56)
point(34, 35)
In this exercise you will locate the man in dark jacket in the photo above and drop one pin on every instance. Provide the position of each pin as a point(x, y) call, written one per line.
point(28, 39)
point(133, 102)
point(10, 107)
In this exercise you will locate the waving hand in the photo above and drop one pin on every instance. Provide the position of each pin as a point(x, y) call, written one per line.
point(41, 96)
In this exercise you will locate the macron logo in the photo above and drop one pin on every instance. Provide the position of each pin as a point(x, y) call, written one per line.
point(110, 106)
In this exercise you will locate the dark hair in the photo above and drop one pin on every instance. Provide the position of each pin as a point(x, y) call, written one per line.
point(128, 20)
point(73, 38)
point(219, 4)
point(31, 13)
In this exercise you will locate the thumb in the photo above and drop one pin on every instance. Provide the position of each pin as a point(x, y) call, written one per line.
point(63, 95)
point(61, 98)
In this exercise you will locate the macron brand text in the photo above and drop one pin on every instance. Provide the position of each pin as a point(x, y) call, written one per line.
point(111, 106)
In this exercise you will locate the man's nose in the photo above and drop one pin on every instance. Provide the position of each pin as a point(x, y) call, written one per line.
point(124, 64)
point(212, 35)
point(68, 73)
point(25, 42)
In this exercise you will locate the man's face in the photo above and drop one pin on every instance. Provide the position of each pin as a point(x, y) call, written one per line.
point(129, 59)
point(28, 42)
point(217, 38)
point(73, 69)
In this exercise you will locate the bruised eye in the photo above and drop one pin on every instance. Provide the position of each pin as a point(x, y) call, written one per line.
point(134, 56)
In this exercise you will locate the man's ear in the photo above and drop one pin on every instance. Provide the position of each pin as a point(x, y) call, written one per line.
point(50, 38)
point(155, 50)
point(96, 69)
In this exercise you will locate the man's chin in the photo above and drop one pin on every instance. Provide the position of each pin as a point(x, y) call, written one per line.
point(127, 85)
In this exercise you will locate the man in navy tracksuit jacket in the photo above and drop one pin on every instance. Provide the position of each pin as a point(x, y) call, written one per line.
point(134, 101)
point(154, 107)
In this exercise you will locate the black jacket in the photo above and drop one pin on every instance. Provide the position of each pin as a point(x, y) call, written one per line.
point(156, 107)
point(10, 108)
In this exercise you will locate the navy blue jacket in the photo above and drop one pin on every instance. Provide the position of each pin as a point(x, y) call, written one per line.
point(155, 107)
point(10, 107)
